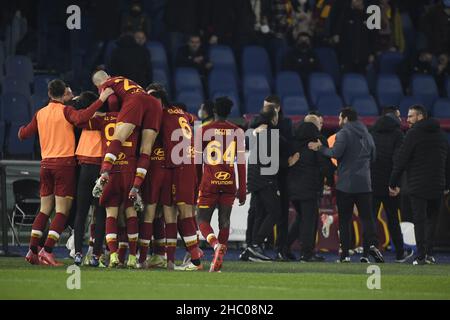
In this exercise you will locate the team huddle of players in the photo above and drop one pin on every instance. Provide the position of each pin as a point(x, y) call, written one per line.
point(159, 178)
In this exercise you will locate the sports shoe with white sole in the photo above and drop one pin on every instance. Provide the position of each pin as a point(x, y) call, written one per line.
point(189, 267)
point(407, 254)
point(157, 261)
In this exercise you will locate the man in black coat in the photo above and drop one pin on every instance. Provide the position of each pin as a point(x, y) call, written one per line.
point(131, 60)
point(388, 138)
point(284, 125)
point(263, 185)
point(424, 155)
point(305, 184)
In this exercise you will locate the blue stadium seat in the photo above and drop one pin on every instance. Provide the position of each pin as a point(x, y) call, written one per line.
point(255, 60)
point(389, 62)
point(354, 85)
point(441, 108)
point(320, 84)
point(192, 99)
point(160, 76)
point(329, 62)
point(389, 90)
point(110, 46)
point(158, 55)
point(447, 86)
point(280, 55)
point(330, 105)
point(38, 102)
point(15, 85)
point(407, 102)
point(288, 83)
point(365, 106)
point(222, 57)
point(294, 105)
point(40, 84)
point(425, 87)
point(15, 147)
point(14, 108)
point(187, 79)
point(233, 96)
point(2, 136)
point(254, 103)
point(19, 67)
point(255, 84)
point(222, 80)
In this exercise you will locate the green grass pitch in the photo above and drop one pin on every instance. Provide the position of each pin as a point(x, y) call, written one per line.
point(239, 280)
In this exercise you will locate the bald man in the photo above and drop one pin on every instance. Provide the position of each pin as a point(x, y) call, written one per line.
point(138, 110)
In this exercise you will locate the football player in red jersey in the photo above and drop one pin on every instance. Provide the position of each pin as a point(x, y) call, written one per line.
point(157, 189)
point(219, 144)
point(115, 193)
point(177, 140)
point(138, 109)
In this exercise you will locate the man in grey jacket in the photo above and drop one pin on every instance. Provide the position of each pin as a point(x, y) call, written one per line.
point(354, 150)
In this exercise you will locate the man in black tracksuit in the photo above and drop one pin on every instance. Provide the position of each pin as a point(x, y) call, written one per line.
point(388, 138)
point(264, 187)
point(424, 155)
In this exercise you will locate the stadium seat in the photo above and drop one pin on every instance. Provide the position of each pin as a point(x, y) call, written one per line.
point(280, 55)
point(2, 136)
point(222, 57)
point(329, 62)
point(14, 108)
point(425, 87)
point(365, 106)
point(222, 80)
point(389, 90)
point(110, 46)
point(192, 99)
point(160, 76)
point(38, 102)
point(254, 103)
point(288, 83)
point(441, 108)
point(294, 105)
point(187, 79)
point(40, 84)
point(19, 67)
point(15, 85)
point(320, 84)
point(158, 55)
point(389, 61)
point(407, 102)
point(330, 105)
point(447, 86)
point(255, 60)
point(255, 84)
point(354, 85)
point(233, 96)
point(15, 147)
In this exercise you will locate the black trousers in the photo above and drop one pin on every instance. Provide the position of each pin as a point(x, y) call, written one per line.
point(307, 211)
point(345, 204)
point(283, 221)
point(425, 216)
point(86, 181)
point(391, 206)
point(251, 219)
point(267, 213)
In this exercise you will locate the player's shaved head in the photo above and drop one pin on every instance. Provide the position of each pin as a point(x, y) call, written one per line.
point(99, 77)
point(313, 119)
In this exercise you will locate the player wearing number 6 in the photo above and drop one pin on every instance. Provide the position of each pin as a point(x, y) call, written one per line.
point(219, 143)
point(138, 110)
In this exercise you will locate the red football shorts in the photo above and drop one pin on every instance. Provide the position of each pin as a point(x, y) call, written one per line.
point(158, 187)
point(142, 111)
point(184, 181)
point(211, 200)
point(58, 181)
point(117, 189)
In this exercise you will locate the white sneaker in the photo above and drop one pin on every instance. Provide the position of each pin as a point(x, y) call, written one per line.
point(188, 267)
point(70, 245)
point(157, 261)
